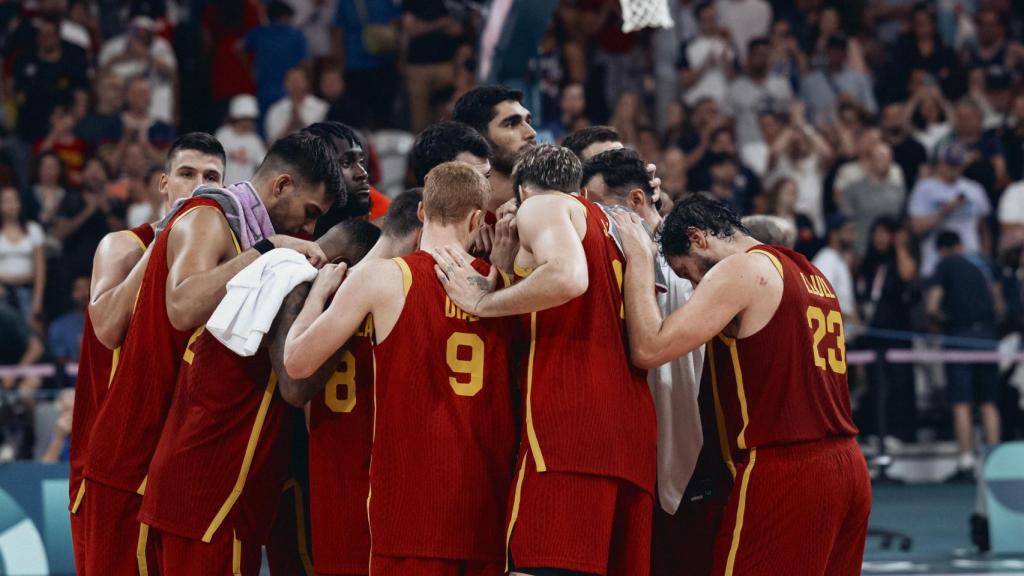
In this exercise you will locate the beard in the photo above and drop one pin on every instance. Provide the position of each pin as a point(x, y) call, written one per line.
point(504, 160)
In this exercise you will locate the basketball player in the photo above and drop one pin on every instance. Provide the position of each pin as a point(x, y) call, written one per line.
point(194, 159)
point(588, 142)
point(444, 431)
point(447, 141)
point(777, 364)
point(685, 523)
point(582, 500)
point(190, 263)
point(218, 470)
point(341, 423)
point(497, 113)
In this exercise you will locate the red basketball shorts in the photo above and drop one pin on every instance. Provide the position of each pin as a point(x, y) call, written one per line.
point(115, 542)
point(799, 510)
point(223, 555)
point(578, 522)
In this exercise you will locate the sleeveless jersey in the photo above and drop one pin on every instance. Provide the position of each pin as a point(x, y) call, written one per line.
point(587, 409)
point(444, 431)
point(786, 383)
point(340, 437)
point(95, 370)
point(223, 455)
point(128, 425)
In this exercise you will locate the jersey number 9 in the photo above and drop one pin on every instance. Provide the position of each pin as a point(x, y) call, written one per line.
point(472, 366)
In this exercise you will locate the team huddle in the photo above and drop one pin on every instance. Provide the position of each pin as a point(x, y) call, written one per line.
point(507, 376)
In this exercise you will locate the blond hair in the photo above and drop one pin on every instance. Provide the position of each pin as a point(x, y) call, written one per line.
point(452, 191)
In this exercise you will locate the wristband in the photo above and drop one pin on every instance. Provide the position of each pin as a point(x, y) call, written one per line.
point(264, 246)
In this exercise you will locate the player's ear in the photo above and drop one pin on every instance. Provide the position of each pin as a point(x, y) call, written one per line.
point(475, 219)
point(420, 213)
point(163, 186)
point(282, 185)
point(635, 199)
point(697, 238)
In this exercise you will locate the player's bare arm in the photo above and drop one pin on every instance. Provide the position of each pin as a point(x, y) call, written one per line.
point(296, 391)
point(118, 267)
point(737, 295)
point(201, 258)
point(317, 334)
point(547, 232)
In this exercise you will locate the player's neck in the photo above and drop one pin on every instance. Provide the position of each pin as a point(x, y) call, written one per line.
point(386, 248)
point(435, 236)
point(501, 190)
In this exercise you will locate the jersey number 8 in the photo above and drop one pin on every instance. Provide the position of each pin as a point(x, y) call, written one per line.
point(344, 376)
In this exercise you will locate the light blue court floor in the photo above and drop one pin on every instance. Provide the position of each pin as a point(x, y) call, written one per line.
point(936, 517)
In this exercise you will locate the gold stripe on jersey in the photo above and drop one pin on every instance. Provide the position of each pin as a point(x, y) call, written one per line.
point(250, 449)
point(516, 501)
point(741, 508)
point(140, 550)
point(78, 497)
point(531, 432)
point(741, 439)
point(406, 275)
point(775, 261)
point(723, 442)
point(138, 240)
point(141, 490)
point(236, 554)
point(114, 361)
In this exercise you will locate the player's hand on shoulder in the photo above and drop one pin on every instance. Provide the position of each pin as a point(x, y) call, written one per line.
point(506, 244)
point(328, 279)
point(465, 286)
point(636, 242)
point(311, 250)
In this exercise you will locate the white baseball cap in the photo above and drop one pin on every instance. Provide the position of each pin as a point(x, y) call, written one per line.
point(243, 107)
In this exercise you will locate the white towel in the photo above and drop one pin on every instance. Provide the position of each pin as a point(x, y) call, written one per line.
point(254, 297)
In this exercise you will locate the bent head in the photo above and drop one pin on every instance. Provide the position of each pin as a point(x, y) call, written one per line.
point(447, 141)
point(194, 159)
point(454, 196)
point(588, 142)
point(298, 182)
point(699, 233)
point(546, 168)
point(402, 224)
point(620, 178)
point(349, 241)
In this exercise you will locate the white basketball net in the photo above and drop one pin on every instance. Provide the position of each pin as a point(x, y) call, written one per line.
point(639, 14)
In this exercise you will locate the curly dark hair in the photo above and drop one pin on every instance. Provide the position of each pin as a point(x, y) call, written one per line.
point(703, 213)
point(622, 170)
point(547, 167)
point(441, 143)
point(331, 130)
point(476, 107)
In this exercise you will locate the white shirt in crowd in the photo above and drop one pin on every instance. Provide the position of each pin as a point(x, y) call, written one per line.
point(807, 174)
point(17, 259)
point(929, 196)
point(931, 136)
point(244, 152)
point(832, 264)
point(674, 387)
point(714, 82)
point(745, 20)
point(140, 213)
point(311, 110)
point(162, 98)
point(853, 172)
point(747, 98)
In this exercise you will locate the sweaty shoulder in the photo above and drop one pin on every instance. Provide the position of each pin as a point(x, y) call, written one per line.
point(755, 280)
point(541, 211)
point(204, 224)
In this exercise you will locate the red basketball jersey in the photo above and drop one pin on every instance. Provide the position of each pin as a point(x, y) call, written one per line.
point(340, 437)
point(587, 409)
point(223, 455)
point(444, 432)
point(786, 383)
point(96, 364)
point(128, 425)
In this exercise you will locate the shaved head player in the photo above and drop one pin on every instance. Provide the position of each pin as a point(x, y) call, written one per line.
point(194, 159)
point(586, 471)
point(190, 263)
point(444, 430)
point(777, 361)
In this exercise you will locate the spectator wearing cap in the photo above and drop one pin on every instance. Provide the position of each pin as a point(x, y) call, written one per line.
point(873, 196)
point(964, 301)
point(299, 108)
point(833, 261)
point(140, 52)
point(276, 48)
point(242, 143)
point(985, 162)
point(755, 90)
point(949, 202)
point(835, 82)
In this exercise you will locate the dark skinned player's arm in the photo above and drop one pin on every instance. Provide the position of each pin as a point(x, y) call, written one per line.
point(202, 259)
point(296, 391)
point(118, 268)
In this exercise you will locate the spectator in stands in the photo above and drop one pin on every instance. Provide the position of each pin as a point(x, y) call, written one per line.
point(224, 26)
point(930, 116)
point(746, 184)
point(909, 154)
point(1013, 139)
point(986, 164)
point(46, 77)
point(241, 140)
point(923, 49)
point(368, 39)
point(834, 262)
point(859, 168)
point(706, 63)
point(801, 154)
point(83, 219)
point(756, 90)
point(781, 201)
point(770, 230)
point(745, 20)
point(572, 111)
point(19, 346)
point(949, 202)
point(672, 171)
point(276, 48)
point(49, 186)
point(102, 125)
point(756, 153)
point(62, 141)
point(835, 82)
point(872, 197)
point(139, 126)
point(22, 256)
point(993, 53)
point(883, 284)
point(145, 203)
point(298, 109)
point(786, 58)
point(432, 37)
point(58, 449)
point(65, 332)
point(706, 116)
point(341, 107)
point(964, 301)
point(141, 52)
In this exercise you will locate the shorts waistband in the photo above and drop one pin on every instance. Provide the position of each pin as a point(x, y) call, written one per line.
point(799, 449)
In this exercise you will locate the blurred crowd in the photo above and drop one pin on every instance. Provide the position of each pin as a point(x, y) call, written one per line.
point(889, 134)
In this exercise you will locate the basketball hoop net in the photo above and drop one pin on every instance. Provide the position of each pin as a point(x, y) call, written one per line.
point(639, 14)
